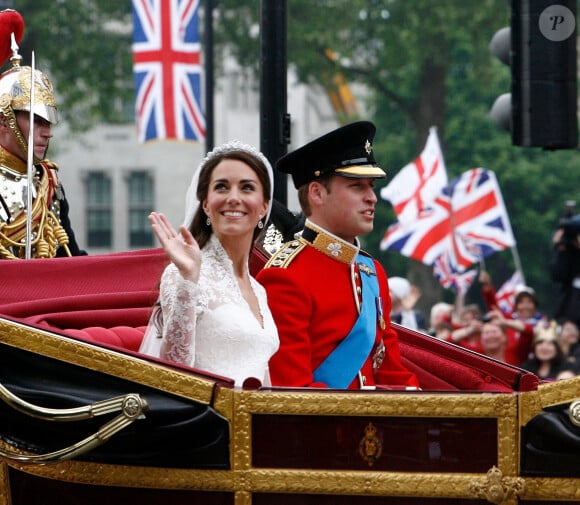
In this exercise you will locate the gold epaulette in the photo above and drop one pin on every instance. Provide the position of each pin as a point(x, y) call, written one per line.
point(286, 254)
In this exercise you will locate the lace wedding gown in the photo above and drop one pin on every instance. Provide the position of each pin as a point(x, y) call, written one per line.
point(209, 325)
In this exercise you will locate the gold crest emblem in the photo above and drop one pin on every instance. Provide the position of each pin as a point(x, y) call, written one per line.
point(370, 447)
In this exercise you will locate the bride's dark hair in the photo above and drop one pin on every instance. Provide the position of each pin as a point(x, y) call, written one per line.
point(199, 227)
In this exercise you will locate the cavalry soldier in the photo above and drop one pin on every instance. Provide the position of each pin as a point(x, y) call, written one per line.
point(48, 232)
point(330, 300)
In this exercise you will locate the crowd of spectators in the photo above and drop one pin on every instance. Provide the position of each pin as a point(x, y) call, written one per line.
point(524, 337)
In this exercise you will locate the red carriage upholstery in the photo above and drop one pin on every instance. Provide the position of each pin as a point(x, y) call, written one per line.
point(107, 299)
point(101, 298)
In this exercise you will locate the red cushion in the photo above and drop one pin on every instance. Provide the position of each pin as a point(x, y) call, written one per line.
point(124, 337)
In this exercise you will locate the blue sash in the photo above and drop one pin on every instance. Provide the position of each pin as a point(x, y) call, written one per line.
point(341, 366)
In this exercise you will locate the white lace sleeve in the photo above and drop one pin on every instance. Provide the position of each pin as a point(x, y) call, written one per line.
point(178, 298)
point(209, 325)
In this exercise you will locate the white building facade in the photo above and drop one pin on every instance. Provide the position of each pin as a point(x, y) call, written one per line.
point(112, 181)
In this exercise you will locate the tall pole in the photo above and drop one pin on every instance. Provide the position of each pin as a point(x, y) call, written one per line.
point(274, 118)
point(30, 158)
point(209, 75)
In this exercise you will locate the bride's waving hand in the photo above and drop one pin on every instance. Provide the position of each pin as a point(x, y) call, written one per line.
point(181, 248)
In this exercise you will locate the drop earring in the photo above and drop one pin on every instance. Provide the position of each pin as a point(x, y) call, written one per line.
point(208, 221)
point(260, 223)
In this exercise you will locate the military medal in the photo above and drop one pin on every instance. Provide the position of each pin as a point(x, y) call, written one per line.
point(367, 270)
point(380, 318)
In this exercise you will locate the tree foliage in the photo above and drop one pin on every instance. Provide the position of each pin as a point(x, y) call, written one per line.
point(85, 47)
point(426, 64)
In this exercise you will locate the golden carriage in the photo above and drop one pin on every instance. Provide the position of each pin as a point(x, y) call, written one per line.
point(87, 419)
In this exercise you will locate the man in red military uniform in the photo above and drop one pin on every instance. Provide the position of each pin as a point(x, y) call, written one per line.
point(330, 300)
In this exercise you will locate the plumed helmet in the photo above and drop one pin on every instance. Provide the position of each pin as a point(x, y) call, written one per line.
point(15, 84)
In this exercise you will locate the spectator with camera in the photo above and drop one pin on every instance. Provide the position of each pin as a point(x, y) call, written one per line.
point(565, 266)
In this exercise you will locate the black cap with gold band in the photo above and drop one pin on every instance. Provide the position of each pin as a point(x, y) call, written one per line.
point(346, 151)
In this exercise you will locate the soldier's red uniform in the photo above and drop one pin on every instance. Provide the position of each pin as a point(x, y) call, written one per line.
point(330, 301)
point(312, 293)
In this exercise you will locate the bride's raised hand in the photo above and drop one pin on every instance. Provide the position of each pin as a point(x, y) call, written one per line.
point(182, 248)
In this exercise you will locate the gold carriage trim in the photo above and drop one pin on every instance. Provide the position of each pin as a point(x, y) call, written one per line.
point(497, 488)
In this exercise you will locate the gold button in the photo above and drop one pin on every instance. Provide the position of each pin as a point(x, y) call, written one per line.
point(358, 290)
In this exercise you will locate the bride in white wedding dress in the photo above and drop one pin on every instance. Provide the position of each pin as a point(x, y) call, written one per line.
point(211, 313)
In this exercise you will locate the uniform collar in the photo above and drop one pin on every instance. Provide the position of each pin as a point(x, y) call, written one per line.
point(12, 162)
point(328, 244)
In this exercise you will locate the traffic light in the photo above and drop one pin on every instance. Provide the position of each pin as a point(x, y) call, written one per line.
point(501, 110)
point(540, 48)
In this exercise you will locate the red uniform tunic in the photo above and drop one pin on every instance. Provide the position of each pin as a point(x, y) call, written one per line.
point(313, 296)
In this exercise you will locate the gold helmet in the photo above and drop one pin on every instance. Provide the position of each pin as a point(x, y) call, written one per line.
point(15, 93)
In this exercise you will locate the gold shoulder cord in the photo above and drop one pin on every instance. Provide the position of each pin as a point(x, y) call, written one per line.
point(284, 256)
point(47, 235)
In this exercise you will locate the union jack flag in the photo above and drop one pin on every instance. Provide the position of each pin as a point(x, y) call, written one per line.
point(419, 182)
point(423, 239)
point(166, 52)
point(506, 294)
point(468, 221)
point(449, 278)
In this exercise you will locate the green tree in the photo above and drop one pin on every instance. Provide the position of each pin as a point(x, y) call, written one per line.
point(85, 47)
point(425, 64)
